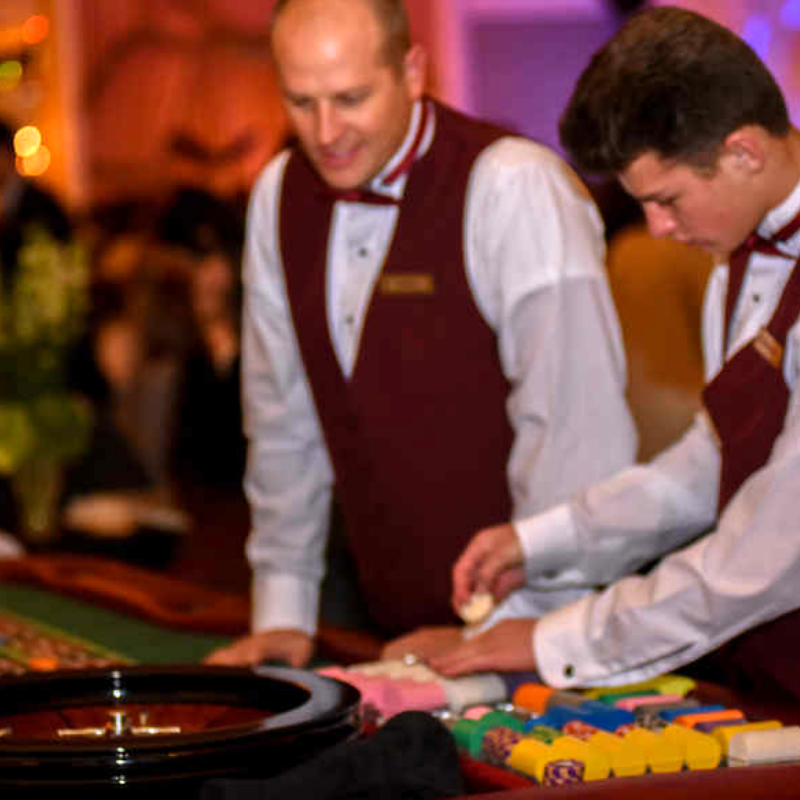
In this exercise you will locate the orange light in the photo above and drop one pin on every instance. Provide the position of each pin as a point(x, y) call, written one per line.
point(10, 38)
point(35, 29)
point(27, 141)
point(36, 164)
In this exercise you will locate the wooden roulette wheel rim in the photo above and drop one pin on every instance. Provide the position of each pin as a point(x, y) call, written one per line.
point(233, 721)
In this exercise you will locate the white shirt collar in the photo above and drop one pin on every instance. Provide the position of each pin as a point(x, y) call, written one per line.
point(776, 218)
point(396, 188)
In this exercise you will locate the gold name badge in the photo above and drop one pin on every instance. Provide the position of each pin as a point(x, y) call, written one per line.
point(400, 283)
point(769, 348)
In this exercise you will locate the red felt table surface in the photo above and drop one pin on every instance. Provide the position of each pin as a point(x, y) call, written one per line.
point(772, 782)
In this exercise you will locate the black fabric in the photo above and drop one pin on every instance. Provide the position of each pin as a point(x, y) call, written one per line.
point(209, 448)
point(342, 601)
point(412, 757)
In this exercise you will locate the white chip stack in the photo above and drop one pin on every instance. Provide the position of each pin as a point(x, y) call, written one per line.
point(765, 747)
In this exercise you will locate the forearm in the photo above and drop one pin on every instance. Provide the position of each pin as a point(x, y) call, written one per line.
point(288, 477)
point(740, 575)
point(289, 498)
point(626, 521)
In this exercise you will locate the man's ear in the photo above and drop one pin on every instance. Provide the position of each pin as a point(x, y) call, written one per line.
point(415, 65)
point(745, 149)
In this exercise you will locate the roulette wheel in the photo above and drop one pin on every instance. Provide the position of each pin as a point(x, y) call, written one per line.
point(131, 729)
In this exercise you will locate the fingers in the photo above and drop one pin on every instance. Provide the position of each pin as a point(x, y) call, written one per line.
point(468, 567)
point(244, 652)
point(397, 648)
point(507, 582)
point(505, 554)
point(294, 648)
point(482, 564)
point(461, 660)
point(423, 643)
point(300, 652)
point(508, 646)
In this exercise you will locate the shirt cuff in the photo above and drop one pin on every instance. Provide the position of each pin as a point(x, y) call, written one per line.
point(549, 543)
point(567, 656)
point(283, 601)
point(560, 647)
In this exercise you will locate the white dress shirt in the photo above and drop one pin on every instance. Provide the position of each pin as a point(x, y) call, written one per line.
point(711, 584)
point(534, 259)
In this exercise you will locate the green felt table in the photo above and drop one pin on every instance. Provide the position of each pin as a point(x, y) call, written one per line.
point(122, 633)
point(147, 615)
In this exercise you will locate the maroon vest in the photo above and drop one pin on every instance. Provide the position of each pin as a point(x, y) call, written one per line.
point(419, 437)
point(747, 401)
point(748, 398)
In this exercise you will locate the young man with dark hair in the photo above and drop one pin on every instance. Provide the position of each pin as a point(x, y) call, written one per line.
point(427, 325)
point(696, 129)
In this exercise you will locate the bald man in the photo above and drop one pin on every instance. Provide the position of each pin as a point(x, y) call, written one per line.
point(428, 332)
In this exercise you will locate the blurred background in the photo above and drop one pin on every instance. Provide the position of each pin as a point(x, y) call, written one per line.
point(134, 97)
point(140, 126)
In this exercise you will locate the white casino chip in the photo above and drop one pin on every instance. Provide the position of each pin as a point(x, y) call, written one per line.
point(477, 608)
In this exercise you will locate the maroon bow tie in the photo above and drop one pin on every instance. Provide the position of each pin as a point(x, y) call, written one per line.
point(363, 196)
point(371, 197)
point(759, 244)
point(754, 243)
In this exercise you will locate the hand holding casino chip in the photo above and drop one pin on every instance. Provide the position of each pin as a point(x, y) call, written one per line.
point(477, 608)
point(492, 563)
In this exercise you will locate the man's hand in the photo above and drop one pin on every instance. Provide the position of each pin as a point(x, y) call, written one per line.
point(293, 647)
point(492, 562)
point(505, 647)
point(423, 643)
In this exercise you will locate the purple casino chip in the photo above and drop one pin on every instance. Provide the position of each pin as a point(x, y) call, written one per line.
point(562, 772)
point(497, 744)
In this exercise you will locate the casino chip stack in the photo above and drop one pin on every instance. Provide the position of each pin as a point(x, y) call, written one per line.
point(498, 743)
point(556, 737)
point(563, 772)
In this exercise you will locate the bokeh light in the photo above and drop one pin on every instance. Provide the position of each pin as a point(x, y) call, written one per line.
point(790, 14)
point(34, 29)
point(10, 75)
point(35, 164)
point(27, 141)
point(758, 34)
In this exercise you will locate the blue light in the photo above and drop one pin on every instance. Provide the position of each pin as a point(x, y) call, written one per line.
point(758, 34)
point(790, 14)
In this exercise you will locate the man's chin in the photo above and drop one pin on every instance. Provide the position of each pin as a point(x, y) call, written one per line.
point(341, 179)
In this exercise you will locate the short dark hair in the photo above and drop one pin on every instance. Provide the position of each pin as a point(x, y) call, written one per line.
point(391, 16)
point(673, 82)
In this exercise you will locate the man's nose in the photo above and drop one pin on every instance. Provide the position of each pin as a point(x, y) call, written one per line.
point(660, 221)
point(327, 124)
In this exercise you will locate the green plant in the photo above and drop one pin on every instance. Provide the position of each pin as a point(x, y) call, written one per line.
point(43, 305)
